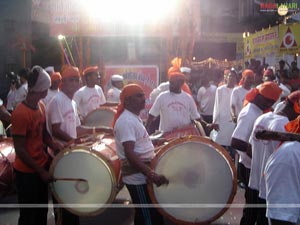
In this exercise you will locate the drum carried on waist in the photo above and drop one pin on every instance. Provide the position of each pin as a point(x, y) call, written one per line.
point(87, 177)
point(101, 117)
point(202, 180)
point(195, 128)
point(7, 157)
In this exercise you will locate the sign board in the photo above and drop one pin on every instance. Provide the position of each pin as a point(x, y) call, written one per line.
point(261, 44)
point(289, 38)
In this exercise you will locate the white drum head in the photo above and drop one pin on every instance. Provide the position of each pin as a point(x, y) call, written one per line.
point(86, 198)
point(202, 180)
point(101, 117)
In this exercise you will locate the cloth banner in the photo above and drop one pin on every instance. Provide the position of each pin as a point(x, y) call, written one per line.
point(289, 38)
point(147, 76)
point(261, 44)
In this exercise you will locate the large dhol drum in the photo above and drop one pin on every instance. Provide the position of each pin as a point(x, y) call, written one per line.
point(7, 157)
point(202, 180)
point(87, 177)
point(194, 128)
point(101, 117)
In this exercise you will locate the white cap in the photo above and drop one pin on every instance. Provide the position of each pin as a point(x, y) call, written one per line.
point(1, 102)
point(117, 77)
point(43, 81)
point(185, 70)
point(50, 69)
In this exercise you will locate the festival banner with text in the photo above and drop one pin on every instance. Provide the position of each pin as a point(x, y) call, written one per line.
point(289, 38)
point(261, 44)
point(145, 75)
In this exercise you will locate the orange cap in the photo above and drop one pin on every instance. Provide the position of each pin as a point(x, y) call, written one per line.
point(270, 90)
point(293, 126)
point(294, 98)
point(247, 73)
point(176, 74)
point(55, 76)
point(90, 69)
point(69, 71)
point(176, 63)
point(128, 90)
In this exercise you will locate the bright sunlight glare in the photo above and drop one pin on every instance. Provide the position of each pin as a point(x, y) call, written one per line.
point(132, 12)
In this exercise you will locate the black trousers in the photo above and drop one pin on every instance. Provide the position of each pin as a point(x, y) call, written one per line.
point(143, 215)
point(63, 216)
point(32, 190)
point(207, 119)
point(252, 215)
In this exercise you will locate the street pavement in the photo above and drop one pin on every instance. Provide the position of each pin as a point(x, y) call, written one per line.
point(117, 216)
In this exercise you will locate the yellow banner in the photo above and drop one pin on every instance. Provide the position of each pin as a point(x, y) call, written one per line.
point(261, 44)
point(289, 38)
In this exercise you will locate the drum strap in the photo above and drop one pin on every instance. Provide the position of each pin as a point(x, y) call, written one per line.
point(127, 169)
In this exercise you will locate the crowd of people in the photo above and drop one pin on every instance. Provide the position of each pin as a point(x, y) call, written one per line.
point(48, 107)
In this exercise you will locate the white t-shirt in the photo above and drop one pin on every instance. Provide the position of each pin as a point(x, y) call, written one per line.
point(222, 115)
point(113, 95)
point(237, 98)
point(279, 106)
point(206, 99)
point(282, 175)
point(164, 86)
point(21, 93)
point(285, 92)
point(262, 149)
point(129, 127)
point(175, 110)
point(244, 127)
point(63, 110)
point(49, 97)
point(88, 99)
point(11, 100)
point(14, 97)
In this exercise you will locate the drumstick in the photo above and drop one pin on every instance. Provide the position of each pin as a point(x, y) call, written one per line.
point(277, 136)
point(69, 179)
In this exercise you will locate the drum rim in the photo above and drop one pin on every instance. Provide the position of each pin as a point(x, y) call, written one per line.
point(114, 180)
point(221, 150)
point(7, 139)
point(104, 108)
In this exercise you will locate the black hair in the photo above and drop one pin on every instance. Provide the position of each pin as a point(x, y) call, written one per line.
point(32, 77)
point(24, 73)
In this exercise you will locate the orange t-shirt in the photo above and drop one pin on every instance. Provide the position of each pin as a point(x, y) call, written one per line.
point(29, 123)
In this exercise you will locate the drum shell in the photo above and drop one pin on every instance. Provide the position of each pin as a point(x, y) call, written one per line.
point(101, 117)
point(100, 166)
point(7, 157)
point(187, 180)
point(191, 129)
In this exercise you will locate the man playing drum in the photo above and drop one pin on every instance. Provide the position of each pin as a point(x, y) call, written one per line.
point(135, 150)
point(54, 88)
point(90, 96)
point(30, 137)
point(282, 181)
point(64, 121)
point(259, 100)
point(117, 84)
point(175, 107)
point(176, 63)
point(262, 149)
